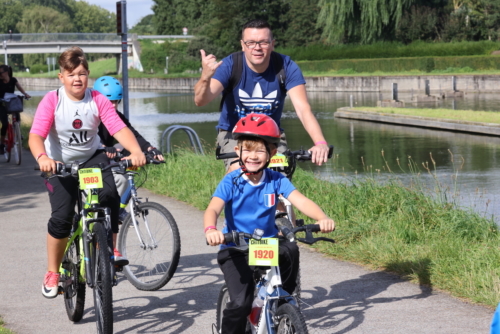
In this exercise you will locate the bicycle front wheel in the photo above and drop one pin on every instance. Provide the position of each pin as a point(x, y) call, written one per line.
point(74, 290)
point(291, 321)
point(18, 143)
point(153, 248)
point(103, 296)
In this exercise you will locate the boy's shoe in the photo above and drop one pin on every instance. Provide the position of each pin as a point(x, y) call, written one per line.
point(122, 215)
point(120, 260)
point(2, 148)
point(50, 285)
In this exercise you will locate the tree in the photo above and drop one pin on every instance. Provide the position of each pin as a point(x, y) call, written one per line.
point(11, 12)
point(362, 21)
point(93, 19)
point(144, 26)
point(300, 21)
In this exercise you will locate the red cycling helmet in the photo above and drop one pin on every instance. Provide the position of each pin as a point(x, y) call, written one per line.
point(258, 125)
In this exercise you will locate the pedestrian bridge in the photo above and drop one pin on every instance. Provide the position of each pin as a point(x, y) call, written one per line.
point(58, 42)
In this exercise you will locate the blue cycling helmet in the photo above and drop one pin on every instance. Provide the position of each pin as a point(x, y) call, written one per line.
point(109, 87)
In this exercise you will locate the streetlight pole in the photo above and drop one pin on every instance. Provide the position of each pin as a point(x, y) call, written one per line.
point(5, 49)
point(121, 11)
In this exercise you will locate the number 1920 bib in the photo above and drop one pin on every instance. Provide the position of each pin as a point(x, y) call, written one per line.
point(263, 252)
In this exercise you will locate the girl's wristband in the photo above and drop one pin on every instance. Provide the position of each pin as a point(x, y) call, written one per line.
point(40, 155)
point(320, 143)
point(208, 228)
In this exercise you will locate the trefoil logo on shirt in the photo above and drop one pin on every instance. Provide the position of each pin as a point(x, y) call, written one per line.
point(257, 103)
point(269, 200)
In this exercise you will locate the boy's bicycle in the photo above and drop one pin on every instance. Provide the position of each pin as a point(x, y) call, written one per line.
point(280, 312)
point(149, 239)
point(13, 137)
point(88, 257)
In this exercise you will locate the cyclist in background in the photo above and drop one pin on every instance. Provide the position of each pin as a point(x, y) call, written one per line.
point(258, 91)
point(65, 130)
point(113, 90)
point(249, 196)
point(8, 84)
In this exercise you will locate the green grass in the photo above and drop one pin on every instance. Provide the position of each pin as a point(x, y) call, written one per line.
point(381, 225)
point(459, 115)
point(4, 330)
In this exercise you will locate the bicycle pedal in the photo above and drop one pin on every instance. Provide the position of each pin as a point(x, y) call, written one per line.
point(60, 290)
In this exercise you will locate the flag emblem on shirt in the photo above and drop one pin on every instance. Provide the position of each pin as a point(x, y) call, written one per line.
point(269, 200)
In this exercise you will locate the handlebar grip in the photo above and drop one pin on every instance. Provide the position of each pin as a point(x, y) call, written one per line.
point(330, 152)
point(314, 228)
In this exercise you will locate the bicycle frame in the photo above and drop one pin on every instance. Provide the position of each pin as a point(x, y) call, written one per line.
point(88, 216)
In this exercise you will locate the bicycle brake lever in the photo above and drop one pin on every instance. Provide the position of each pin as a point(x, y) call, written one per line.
point(309, 239)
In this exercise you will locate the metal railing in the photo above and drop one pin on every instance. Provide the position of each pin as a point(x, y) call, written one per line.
point(59, 37)
point(166, 145)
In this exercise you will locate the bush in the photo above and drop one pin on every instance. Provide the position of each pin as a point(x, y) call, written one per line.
point(391, 50)
point(424, 64)
point(36, 69)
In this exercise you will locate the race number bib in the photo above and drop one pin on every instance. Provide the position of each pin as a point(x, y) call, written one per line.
point(90, 178)
point(279, 160)
point(263, 252)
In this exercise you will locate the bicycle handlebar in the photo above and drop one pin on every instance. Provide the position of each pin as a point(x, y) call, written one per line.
point(238, 237)
point(72, 168)
point(301, 155)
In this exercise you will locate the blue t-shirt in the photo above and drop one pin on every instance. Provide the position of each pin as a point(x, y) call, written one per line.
point(249, 206)
point(256, 92)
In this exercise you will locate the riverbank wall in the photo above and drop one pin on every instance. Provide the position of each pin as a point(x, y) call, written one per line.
point(438, 84)
point(418, 121)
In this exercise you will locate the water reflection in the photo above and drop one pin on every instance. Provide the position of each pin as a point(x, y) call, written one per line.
point(475, 158)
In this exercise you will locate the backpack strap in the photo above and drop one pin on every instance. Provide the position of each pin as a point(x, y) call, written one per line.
point(234, 79)
point(237, 71)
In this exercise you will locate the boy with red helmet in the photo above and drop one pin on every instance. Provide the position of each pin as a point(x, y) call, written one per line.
point(249, 198)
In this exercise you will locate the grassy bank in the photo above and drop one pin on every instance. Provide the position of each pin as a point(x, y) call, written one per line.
point(4, 330)
point(459, 115)
point(382, 225)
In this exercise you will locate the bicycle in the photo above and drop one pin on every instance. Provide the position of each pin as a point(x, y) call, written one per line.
point(88, 254)
point(154, 249)
point(280, 312)
point(13, 138)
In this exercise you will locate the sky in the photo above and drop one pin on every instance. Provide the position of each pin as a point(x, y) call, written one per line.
point(136, 9)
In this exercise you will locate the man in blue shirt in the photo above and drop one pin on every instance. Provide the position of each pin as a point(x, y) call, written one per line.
point(258, 90)
point(248, 196)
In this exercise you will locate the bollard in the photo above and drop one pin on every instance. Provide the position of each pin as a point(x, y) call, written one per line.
point(427, 88)
point(454, 83)
point(454, 104)
point(351, 101)
point(394, 91)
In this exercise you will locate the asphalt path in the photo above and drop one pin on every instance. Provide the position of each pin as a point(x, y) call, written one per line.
point(338, 297)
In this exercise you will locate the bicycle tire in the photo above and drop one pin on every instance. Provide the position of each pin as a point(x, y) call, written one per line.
point(290, 320)
point(103, 295)
point(150, 267)
point(18, 143)
point(8, 143)
point(74, 293)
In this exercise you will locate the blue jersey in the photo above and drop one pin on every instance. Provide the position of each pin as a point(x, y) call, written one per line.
point(256, 92)
point(249, 206)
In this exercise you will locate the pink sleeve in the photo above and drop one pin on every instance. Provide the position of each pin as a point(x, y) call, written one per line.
point(44, 115)
point(107, 113)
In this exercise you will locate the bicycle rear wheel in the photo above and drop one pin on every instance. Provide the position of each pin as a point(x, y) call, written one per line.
point(8, 143)
point(74, 290)
point(153, 262)
point(291, 321)
point(103, 295)
point(17, 143)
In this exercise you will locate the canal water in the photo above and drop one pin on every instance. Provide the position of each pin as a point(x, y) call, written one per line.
point(466, 166)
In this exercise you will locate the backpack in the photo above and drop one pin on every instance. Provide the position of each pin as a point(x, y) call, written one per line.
point(237, 71)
